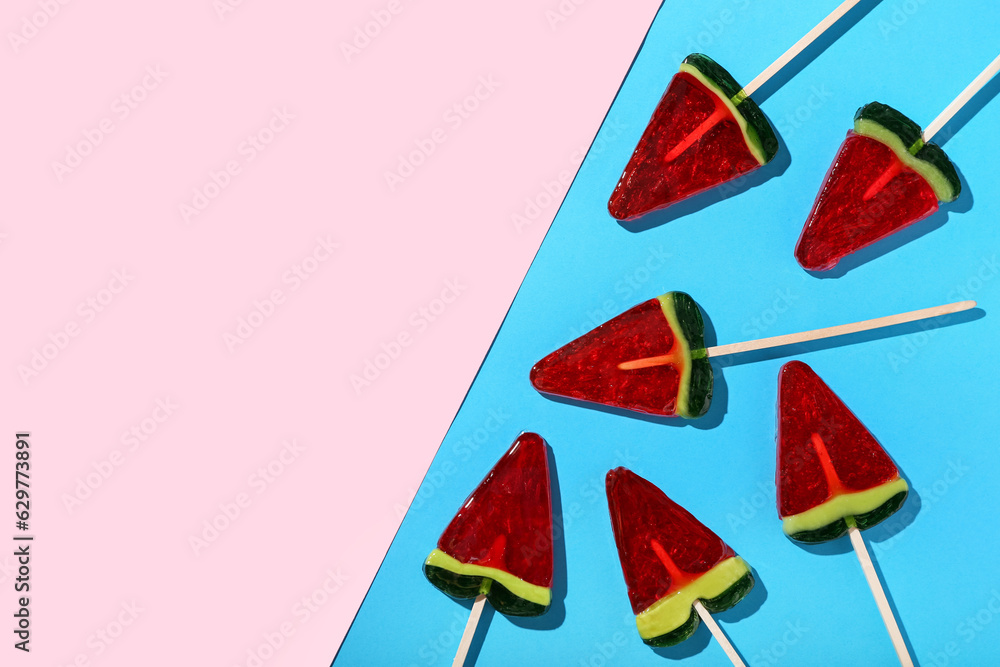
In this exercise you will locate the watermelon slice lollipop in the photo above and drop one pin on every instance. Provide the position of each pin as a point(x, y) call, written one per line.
point(652, 358)
point(833, 477)
point(669, 328)
point(670, 561)
point(500, 542)
point(832, 473)
point(884, 178)
point(705, 131)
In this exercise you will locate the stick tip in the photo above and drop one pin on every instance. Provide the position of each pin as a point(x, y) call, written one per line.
point(959, 306)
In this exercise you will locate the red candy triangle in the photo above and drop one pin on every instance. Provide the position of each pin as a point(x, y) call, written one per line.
point(823, 449)
point(507, 521)
point(660, 545)
point(692, 143)
point(867, 195)
point(587, 368)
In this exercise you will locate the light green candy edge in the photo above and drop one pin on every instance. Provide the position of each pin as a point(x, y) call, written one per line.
point(519, 587)
point(673, 610)
point(751, 143)
point(942, 188)
point(667, 306)
point(843, 506)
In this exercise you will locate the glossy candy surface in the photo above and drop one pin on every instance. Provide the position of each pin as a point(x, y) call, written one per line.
point(669, 560)
point(500, 541)
point(883, 179)
point(867, 195)
point(668, 329)
point(697, 138)
point(830, 468)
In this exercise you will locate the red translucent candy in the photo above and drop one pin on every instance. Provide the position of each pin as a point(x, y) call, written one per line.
point(660, 545)
point(823, 449)
point(868, 194)
point(587, 368)
point(692, 143)
point(507, 521)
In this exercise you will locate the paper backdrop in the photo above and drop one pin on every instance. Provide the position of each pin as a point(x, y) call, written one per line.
point(216, 215)
point(926, 390)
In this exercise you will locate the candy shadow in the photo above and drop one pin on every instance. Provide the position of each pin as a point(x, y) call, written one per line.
point(811, 52)
point(894, 331)
point(556, 613)
point(776, 167)
point(902, 237)
point(711, 419)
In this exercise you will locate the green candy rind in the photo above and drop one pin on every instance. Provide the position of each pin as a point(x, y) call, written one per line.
point(834, 530)
point(699, 397)
point(507, 603)
point(758, 129)
point(729, 598)
point(880, 513)
point(928, 159)
point(466, 587)
point(462, 586)
point(675, 637)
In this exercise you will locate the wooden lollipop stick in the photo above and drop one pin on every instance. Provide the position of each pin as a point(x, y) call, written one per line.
point(883, 604)
point(799, 46)
point(470, 631)
point(803, 336)
point(829, 332)
point(962, 98)
point(719, 635)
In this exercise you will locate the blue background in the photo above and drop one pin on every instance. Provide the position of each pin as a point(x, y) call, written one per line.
point(927, 391)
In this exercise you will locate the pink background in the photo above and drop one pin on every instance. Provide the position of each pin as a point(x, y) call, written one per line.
point(236, 343)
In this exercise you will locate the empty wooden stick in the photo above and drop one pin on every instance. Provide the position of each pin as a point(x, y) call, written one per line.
point(858, 542)
point(962, 98)
point(719, 635)
point(804, 336)
point(799, 46)
point(470, 632)
point(840, 330)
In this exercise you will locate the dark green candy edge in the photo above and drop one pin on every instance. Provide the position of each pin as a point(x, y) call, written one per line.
point(693, 329)
point(727, 599)
point(863, 521)
point(758, 126)
point(675, 637)
point(466, 587)
point(909, 133)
